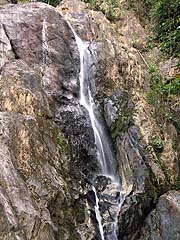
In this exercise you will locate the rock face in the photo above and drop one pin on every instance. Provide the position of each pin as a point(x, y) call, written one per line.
point(47, 144)
point(138, 181)
point(163, 222)
point(35, 157)
point(119, 87)
point(2, 2)
point(39, 75)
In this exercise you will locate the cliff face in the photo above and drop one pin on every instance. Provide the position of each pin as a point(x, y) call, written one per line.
point(47, 144)
point(121, 86)
point(35, 157)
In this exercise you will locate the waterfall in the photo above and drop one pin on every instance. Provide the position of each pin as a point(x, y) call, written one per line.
point(105, 155)
point(98, 214)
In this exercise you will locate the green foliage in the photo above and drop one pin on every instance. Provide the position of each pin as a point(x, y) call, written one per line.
point(150, 2)
point(166, 18)
point(161, 91)
point(173, 87)
point(155, 78)
point(141, 7)
point(155, 94)
point(111, 8)
point(158, 144)
point(177, 184)
point(23, 1)
point(161, 95)
point(62, 145)
point(151, 69)
point(152, 97)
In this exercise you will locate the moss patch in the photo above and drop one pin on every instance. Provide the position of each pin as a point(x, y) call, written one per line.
point(124, 117)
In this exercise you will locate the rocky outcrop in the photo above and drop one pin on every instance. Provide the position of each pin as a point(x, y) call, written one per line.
point(163, 222)
point(121, 85)
point(35, 198)
point(47, 153)
point(139, 182)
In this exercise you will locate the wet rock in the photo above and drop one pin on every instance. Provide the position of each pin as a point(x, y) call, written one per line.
point(118, 112)
point(110, 112)
point(106, 56)
point(127, 112)
point(48, 45)
point(101, 182)
point(140, 176)
point(39, 87)
point(110, 201)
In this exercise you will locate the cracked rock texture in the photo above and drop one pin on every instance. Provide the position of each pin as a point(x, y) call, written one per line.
point(120, 87)
point(46, 140)
point(163, 222)
point(35, 199)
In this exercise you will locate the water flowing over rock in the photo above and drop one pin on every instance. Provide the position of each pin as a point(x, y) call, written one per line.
point(58, 88)
point(50, 187)
point(120, 86)
point(107, 226)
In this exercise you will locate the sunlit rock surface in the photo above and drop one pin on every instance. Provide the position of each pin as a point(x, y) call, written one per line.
point(35, 157)
point(47, 144)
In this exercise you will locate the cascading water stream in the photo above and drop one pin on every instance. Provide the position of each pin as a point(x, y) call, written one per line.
point(105, 155)
point(98, 214)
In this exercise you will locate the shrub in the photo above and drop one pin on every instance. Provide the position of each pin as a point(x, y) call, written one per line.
point(173, 87)
point(177, 184)
point(166, 18)
point(110, 8)
point(158, 144)
point(152, 97)
point(155, 79)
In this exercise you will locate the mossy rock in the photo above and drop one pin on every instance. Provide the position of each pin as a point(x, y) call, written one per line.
point(124, 115)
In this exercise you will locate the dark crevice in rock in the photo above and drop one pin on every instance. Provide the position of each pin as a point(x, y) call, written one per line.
point(11, 42)
point(133, 218)
point(13, 1)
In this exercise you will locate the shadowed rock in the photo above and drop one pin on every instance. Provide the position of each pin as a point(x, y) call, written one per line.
point(163, 222)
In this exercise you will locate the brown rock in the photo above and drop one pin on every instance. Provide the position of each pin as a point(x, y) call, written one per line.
point(34, 154)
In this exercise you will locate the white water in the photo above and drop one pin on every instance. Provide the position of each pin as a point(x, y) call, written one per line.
point(104, 152)
point(98, 214)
